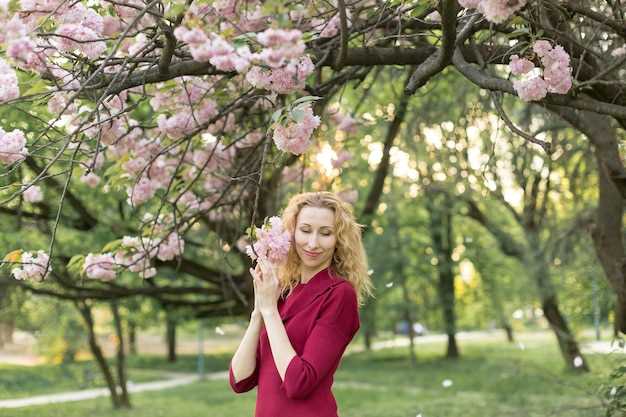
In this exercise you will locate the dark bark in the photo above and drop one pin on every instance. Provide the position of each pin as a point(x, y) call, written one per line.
point(409, 318)
point(440, 208)
point(538, 267)
point(120, 356)
point(170, 337)
point(85, 311)
point(132, 337)
point(607, 233)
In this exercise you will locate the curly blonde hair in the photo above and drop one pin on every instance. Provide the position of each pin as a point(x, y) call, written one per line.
point(349, 260)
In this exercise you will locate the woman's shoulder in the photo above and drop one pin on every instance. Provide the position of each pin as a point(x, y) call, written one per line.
point(341, 290)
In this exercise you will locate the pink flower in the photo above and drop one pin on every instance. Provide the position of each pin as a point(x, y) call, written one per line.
point(532, 89)
point(74, 36)
point(171, 247)
point(349, 196)
point(33, 267)
point(258, 77)
point(496, 11)
point(542, 47)
point(33, 194)
point(617, 52)
point(433, 17)
point(12, 146)
point(469, 4)
point(341, 158)
point(331, 28)
point(9, 89)
point(90, 179)
point(520, 66)
point(273, 242)
point(100, 267)
point(142, 191)
point(295, 137)
point(279, 37)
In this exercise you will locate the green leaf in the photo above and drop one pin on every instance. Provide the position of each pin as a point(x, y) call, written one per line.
point(75, 265)
point(297, 115)
point(38, 87)
point(112, 246)
point(276, 115)
point(306, 99)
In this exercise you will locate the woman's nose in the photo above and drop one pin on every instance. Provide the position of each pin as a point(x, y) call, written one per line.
point(313, 240)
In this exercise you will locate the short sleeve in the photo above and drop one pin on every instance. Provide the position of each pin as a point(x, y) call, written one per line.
point(247, 383)
point(332, 332)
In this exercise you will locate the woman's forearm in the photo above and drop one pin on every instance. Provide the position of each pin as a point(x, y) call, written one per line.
point(244, 360)
point(281, 347)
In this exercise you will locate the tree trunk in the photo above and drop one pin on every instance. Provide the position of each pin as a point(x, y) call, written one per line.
point(170, 336)
point(409, 318)
point(567, 342)
point(85, 312)
point(607, 234)
point(540, 272)
point(120, 355)
point(369, 324)
point(132, 337)
point(608, 241)
point(440, 208)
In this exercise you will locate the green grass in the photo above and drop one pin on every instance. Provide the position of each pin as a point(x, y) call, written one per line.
point(492, 379)
point(26, 381)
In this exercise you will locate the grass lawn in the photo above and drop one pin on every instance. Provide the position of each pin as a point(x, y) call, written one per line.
point(492, 379)
point(26, 381)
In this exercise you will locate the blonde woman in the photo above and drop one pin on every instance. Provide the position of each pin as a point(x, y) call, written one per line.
point(306, 311)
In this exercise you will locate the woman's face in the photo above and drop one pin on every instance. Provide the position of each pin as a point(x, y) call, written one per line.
point(315, 236)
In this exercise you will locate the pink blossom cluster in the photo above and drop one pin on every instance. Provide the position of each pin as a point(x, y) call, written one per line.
point(617, 52)
point(556, 75)
point(282, 80)
point(332, 27)
point(12, 146)
point(185, 122)
point(33, 266)
point(349, 196)
point(295, 137)
point(90, 179)
point(32, 194)
point(214, 49)
point(9, 89)
point(496, 11)
point(100, 266)
point(136, 253)
point(341, 158)
point(344, 122)
point(283, 53)
point(273, 242)
point(81, 29)
point(294, 173)
point(171, 247)
point(19, 46)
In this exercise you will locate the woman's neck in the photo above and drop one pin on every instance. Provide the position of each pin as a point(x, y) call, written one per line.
point(307, 273)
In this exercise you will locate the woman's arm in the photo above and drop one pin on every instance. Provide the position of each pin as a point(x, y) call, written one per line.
point(243, 362)
point(282, 350)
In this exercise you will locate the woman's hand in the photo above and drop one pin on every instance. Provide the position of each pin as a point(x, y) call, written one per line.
point(266, 287)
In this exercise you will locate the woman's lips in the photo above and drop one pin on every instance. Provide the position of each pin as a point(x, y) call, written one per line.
point(311, 254)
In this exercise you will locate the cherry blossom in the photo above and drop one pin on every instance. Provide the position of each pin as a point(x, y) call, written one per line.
point(100, 267)
point(33, 266)
point(273, 242)
point(33, 194)
point(12, 146)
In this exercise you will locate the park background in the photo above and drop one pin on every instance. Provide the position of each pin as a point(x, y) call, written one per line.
point(492, 213)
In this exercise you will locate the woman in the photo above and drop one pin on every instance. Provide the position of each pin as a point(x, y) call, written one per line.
point(305, 312)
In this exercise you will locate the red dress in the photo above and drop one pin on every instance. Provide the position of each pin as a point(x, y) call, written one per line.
point(321, 317)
